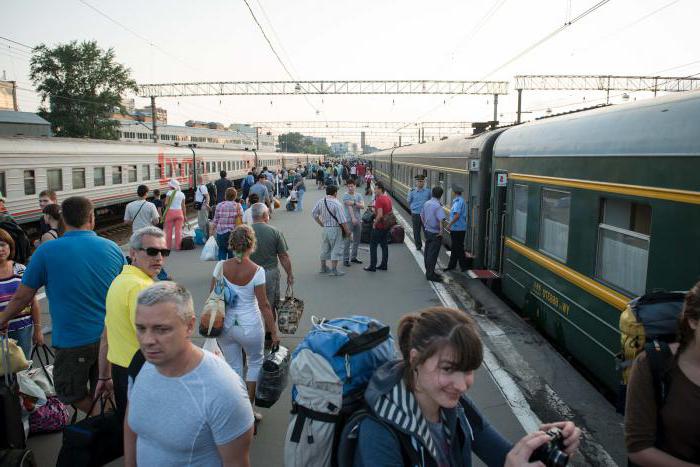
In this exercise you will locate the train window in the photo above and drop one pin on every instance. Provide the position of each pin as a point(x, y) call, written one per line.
point(98, 175)
point(519, 220)
point(145, 172)
point(159, 171)
point(132, 174)
point(554, 223)
point(29, 182)
point(78, 178)
point(168, 170)
point(54, 179)
point(116, 174)
point(3, 187)
point(623, 245)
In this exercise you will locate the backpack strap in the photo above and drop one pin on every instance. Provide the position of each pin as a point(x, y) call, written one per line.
point(660, 360)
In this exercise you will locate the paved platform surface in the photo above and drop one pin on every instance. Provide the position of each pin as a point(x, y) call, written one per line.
point(384, 295)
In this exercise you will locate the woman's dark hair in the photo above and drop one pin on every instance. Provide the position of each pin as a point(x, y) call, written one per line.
point(253, 198)
point(54, 212)
point(691, 310)
point(7, 238)
point(431, 330)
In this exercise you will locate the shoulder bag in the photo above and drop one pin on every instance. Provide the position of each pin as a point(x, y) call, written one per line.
point(342, 230)
point(211, 323)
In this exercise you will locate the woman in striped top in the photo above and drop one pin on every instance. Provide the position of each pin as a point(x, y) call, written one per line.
point(25, 327)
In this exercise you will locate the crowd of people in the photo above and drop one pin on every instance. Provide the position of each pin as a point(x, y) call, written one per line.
point(120, 331)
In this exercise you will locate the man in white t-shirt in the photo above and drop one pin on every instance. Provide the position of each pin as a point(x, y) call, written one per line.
point(186, 406)
point(201, 204)
point(141, 213)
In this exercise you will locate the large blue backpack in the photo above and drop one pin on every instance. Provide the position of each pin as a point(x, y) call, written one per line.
point(330, 370)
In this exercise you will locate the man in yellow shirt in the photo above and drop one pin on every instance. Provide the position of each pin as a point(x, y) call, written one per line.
point(148, 250)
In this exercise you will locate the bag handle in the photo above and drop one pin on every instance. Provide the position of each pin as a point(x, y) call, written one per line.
point(103, 400)
point(289, 293)
point(45, 361)
point(5, 349)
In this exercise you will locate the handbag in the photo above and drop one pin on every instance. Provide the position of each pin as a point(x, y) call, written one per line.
point(289, 312)
point(50, 417)
point(273, 377)
point(13, 357)
point(211, 323)
point(389, 220)
point(53, 415)
point(93, 441)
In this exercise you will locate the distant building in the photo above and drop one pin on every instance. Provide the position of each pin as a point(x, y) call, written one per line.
point(344, 149)
point(14, 123)
point(131, 113)
point(318, 141)
point(8, 96)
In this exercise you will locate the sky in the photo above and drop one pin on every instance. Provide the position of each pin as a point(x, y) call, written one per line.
point(164, 41)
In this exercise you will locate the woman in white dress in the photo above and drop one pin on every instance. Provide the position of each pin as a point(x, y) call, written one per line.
point(246, 307)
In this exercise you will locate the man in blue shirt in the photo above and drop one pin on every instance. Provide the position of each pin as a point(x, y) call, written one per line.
point(458, 230)
point(417, 197)
point(77, 270)
point(432, 216)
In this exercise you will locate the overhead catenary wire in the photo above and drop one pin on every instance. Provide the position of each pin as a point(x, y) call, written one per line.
point(525, 51)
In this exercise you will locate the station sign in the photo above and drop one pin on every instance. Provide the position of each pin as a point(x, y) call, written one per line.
point(473, 165)
point(502, 179)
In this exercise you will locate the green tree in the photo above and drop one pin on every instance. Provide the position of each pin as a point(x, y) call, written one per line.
point(82, 85)
point(297, 142)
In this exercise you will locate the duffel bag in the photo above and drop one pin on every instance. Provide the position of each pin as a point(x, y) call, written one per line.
point(289, 312)
point(397, 234)
point(187, 243)
point(50, 417)
point(93, 441)
point(273, 376)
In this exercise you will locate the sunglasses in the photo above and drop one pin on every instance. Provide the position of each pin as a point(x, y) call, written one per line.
point(152, 251)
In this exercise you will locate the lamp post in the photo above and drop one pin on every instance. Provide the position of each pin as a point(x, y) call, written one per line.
point(194, 166)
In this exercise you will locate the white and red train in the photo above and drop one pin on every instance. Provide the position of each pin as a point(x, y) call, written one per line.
point(108, 172)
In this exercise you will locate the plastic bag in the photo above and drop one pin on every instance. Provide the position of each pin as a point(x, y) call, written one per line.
point(210, 251)
point(273, 377)
point(16, 359)
point(212, 346)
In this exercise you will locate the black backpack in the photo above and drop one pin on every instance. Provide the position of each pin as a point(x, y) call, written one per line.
point(23, 248)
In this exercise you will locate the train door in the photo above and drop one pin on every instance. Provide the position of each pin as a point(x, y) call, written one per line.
point(497, 221)
point(473, 213)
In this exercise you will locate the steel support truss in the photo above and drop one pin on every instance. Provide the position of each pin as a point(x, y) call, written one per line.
point(606, 83)
point(272, 88)
point(332, 125)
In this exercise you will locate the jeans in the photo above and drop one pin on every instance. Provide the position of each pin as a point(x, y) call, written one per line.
point(203, 221)
point(354, 240)
point(378, 237)
point(457, 253)
point(417, 229)
point(222, 243)
point(24, 339)
point(433, 242)
point(300, 198)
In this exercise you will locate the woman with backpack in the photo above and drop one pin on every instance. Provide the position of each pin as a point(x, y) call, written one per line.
point(662, 423)
point(246, 308)
point(425, 391)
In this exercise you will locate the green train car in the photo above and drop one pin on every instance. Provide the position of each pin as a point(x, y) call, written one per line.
point(580, 213)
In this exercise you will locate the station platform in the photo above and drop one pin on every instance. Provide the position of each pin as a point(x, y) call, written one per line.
point(385, 295)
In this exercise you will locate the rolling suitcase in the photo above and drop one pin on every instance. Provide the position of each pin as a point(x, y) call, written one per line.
point(397, 233)
point(12, 432)
point(365, 232)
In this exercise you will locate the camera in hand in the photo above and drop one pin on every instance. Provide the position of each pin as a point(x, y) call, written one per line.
point(552, 452)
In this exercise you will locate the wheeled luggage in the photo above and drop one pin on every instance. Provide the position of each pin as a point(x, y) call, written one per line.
point(187, 243)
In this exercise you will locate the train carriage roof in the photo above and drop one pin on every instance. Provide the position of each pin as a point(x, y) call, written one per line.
point(662, 126)
point(448, 148)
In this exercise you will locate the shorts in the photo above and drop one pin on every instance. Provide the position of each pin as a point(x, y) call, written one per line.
point(332, 244)
point(73, 369)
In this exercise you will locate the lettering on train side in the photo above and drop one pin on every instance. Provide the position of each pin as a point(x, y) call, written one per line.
point(546, 294)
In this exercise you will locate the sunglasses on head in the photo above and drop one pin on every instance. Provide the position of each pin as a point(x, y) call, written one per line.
point(152, 251)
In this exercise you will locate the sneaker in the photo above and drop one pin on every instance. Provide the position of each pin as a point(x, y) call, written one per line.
point(336, 273)
point(370, 269)
point(356, 261)
point(346, 264)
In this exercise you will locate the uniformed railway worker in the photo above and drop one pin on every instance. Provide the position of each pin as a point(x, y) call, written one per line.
point(458, 230)
point(417, 197)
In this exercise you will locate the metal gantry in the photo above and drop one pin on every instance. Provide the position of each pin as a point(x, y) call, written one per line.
point(605, 83)
point(358, 124)
point(272, 88)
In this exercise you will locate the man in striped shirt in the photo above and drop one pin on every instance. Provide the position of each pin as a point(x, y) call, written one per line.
point(330, 215)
